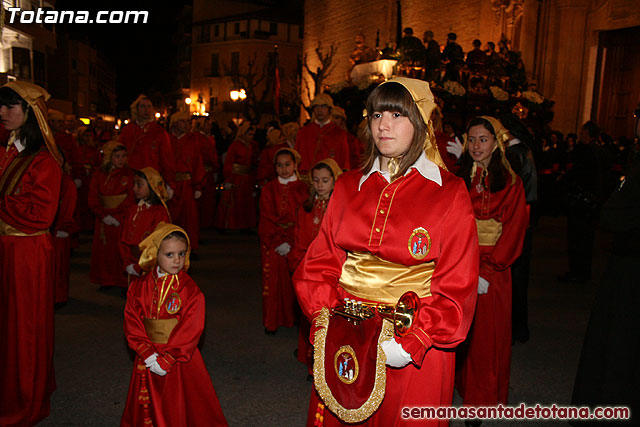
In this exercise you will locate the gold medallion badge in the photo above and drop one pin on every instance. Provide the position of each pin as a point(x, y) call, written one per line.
point(346, 364)
point(419, 243)
point(174, 304)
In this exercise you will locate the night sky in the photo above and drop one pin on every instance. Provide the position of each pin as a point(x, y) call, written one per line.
point(141, 54)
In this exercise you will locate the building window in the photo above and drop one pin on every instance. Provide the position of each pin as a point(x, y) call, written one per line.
point(205, 33)
point(236, 28)
point(273, 28)
point(216, 31)
point(215, 65)
point(235, 63)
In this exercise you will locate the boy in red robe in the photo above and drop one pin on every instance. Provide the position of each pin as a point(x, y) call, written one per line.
point(279, 203)
point(110, 195)
point(323, 178)
point(189, 176)
point(142, 218)
point(163, 322)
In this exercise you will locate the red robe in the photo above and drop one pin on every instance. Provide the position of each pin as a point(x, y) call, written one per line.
point(189, 176)
point(448, 158)
point(91, 159)
point(67, 143)
point(237, 207)
point(315, 143)
point(106, 265)
point(62, 245)
point(279, 204)
point(307, 228)
point(381, 218)
point(356, 148)
point(207, 202)
point(266, 163)
point(140, 221)
point(485, 358)
point(149, 146)
point(185, 395)
point(26, 291)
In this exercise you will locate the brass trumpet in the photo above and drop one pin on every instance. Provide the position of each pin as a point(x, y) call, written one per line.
point(401, 314)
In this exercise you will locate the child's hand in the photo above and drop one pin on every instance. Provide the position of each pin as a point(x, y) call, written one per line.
point(149, 361)
point(156, 369)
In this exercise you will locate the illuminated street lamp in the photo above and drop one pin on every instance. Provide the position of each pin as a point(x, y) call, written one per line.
point(157, 115)
point(237, 95)
point(187, 101)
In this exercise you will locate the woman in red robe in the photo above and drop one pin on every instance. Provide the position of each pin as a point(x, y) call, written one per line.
point(280, 201)
point(402, 223)
point(163, 322)
point(91, 158)
point(501, 216)
point(142, 218)
point(323, 177)
point(110, 195)
point(237, 207)
point(30, 177)
point(64, 226)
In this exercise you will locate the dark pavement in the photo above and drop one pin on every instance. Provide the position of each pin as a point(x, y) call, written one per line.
point(257, 378)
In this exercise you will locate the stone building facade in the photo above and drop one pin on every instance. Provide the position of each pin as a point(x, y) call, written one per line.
point(564, 44)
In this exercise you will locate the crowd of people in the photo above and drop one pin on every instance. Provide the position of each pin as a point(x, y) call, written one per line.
point(408, 206)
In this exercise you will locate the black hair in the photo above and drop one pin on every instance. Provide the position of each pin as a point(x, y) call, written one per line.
point(152, 198)
point(408, 30)
point(452, 36)
point(285, 151)
point(492, 45)
point(308, 204)
point(29, 133)
point(476, 43)
point(592, 129)
point(497, 173)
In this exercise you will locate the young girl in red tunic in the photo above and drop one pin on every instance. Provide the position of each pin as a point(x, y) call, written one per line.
point(63, 227)
point(501, 215)
point(30, 176)
point(110, 195)
point(142, 218)
point(163, 321)
point(279, 203)
point(323, 177)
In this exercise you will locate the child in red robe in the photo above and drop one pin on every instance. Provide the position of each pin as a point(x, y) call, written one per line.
point(64, 226)
point(163, 322)
point(110, 195)
point(323, 177)
point(142, 218)
point(279, 203)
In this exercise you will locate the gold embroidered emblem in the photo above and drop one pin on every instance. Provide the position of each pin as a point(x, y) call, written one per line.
point(419, 243)
point(174, 304)
point(346, 364)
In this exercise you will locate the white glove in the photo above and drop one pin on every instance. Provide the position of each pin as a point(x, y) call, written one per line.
point(77, 182)
point(455, 147)
point(62, 234)
point(227, 185)
point(149, 361)
point(283, 249)
point(483, 286)
point(132, 271)
point(197, 194)
point(109, 220)
point(169, 191)
point(156, 369)
point(397, 357)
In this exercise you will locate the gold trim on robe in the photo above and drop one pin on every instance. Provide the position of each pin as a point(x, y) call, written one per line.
point(159, 330)
point(183, 176)
point(7, 230)
point(367, 276)
point(112, 202)
point(489, 231)
point(239, 169)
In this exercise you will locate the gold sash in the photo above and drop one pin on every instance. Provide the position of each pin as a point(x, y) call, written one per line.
point(159, 330)
point(239, 169)
point(369, 277)
point(112, 202)
point(7, 230)
point(489, 231)
point(183, 176)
